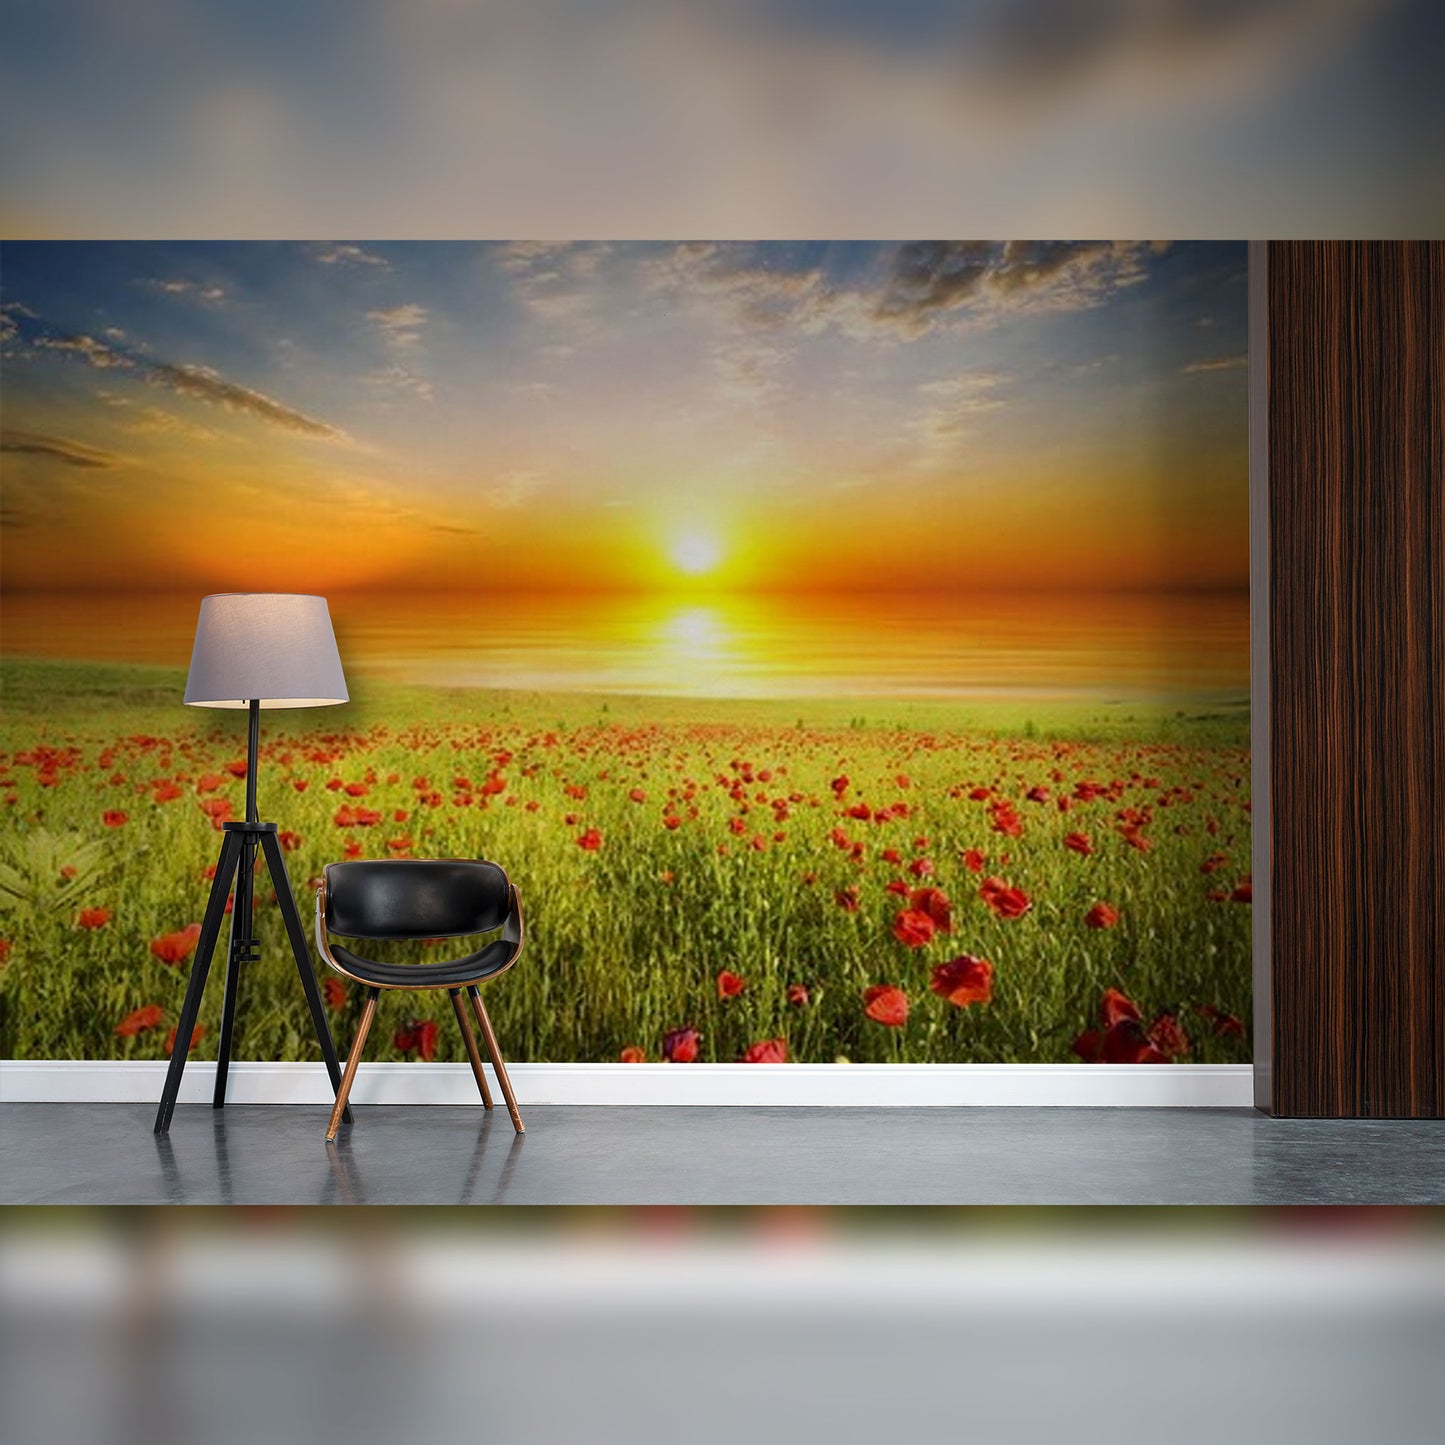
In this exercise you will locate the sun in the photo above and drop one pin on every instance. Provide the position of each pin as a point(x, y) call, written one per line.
point(696, 554)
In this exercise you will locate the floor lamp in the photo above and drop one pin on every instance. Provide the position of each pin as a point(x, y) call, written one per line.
point(254, 650)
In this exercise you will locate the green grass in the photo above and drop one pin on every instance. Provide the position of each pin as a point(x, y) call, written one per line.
point(626, 942)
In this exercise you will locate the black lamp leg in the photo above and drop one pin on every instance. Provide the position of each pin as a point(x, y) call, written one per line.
point(281, 881)
point(242, 950)
point(200, 967)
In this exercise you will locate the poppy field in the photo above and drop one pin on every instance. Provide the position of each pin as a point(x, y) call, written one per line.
point(702, 880)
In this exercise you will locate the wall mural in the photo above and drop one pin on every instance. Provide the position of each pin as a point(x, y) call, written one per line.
point(843, 646)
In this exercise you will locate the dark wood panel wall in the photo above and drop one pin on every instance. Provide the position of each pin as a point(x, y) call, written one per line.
point(1356, 709)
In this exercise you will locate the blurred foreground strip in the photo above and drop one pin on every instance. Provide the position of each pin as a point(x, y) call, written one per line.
point(609, 1327)
point(454, 118)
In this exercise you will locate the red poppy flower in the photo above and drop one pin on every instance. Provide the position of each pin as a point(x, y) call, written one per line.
point(897, 886)
point(920, 867)
point(840, 784)
point(798, 995)
point(680, 1046)
point(1078, 843)
point(935, 903)
point(175, 947)
point(1115, 1006)
point(964, 980)
point(914, 928)
point(300, 784)
point(114, 818)
point(973, 859)
point(237, 769)
point(637, 795)
point(139, 1021)
point(1221, 1023)
point(770, 1051)
point(632, 1055)
point(1101, 916)
point(1167, 1036)
point(419, 1037)
point(197, 1034)
point(847, 898)
point(1005, 901)
point(729, 985)
point(1124, 1043)
point(334, 992)
point(6, 945)
point(93, 918)
point(590, 841)
point(289, 841)
point(1243, 891)
point(356, 790)
point(165, 792)
point(209, 782)
point(886, 1005)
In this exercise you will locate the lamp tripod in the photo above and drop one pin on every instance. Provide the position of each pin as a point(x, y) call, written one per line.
point(238, 861)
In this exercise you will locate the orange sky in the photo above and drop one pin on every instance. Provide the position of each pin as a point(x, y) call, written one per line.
point(966, 417)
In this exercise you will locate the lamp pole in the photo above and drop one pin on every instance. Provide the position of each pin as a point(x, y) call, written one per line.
point(253, 753)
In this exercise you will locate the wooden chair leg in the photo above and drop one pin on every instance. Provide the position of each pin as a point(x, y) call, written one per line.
point(368, 1012)
point(496, 1055)
point(471, 1042)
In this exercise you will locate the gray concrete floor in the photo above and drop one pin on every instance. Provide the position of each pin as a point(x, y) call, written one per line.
point(251, 1154)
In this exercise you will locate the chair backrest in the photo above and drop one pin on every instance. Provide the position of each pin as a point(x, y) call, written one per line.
point(415, 897)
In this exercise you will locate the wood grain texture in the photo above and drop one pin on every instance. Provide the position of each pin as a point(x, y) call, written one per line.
point(1357, 666)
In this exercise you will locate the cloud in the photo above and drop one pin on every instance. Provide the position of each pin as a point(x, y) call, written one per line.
point(920, 286)
point(211, 294)
point(88, 349)
point(59, 449)
point(513, 489)
point(1215, 363)
point(398, 378)
point(346, 253)
point(959, 399)
point(156, 421)
point(556, 281)
point(400, 325)
point(198, 383)
point(933, 281)
point(203, 383)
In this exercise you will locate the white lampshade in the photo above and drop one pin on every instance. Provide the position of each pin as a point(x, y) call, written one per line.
point(277, 647)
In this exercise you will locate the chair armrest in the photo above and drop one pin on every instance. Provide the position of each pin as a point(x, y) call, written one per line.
point(514, 930)
point(321, 940)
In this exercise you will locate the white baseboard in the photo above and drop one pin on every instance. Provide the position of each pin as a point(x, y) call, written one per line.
point(37, 1081)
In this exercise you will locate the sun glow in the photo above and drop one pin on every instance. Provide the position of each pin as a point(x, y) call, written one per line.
point(696, 554)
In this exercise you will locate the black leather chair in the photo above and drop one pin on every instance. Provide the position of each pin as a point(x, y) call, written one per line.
point(419, 898)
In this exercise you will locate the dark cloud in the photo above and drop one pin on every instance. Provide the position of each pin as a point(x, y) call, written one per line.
point(204, 384)
point(932, 279)
point(68, 453)
point(200, 383)
point(1216, 363)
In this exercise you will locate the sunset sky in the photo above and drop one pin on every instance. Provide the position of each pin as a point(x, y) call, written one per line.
point(424, 417)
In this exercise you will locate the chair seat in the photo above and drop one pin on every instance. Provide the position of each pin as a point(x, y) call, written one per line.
point(451, 974)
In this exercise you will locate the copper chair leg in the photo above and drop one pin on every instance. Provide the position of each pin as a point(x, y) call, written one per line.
point(368, 1012)
point(496, 1055)
point(471, 1042)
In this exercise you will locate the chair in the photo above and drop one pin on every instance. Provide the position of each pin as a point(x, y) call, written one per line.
point(419, 898)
